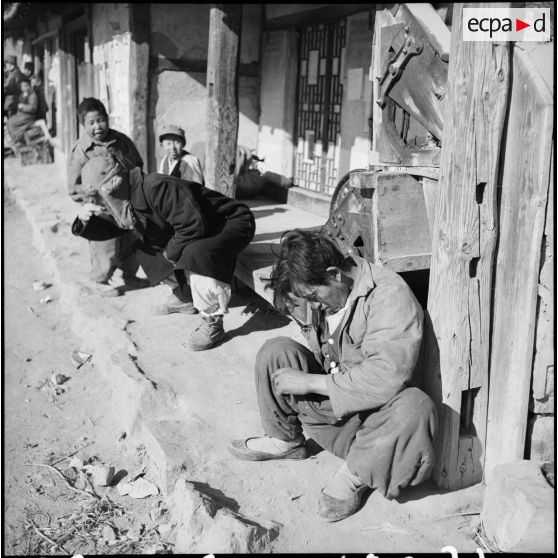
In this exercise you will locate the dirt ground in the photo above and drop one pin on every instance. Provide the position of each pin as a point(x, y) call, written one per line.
point(42, 427)
point(218, 398)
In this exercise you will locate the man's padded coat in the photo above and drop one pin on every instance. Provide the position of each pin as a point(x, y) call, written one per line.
point(180, 225)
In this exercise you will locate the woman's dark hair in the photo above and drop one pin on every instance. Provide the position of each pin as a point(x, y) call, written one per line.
point(90, 104)
point(303, 259)
point(29, 66)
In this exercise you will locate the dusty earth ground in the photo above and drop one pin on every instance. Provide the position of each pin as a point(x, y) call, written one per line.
point(44, 427)
point(215, 401)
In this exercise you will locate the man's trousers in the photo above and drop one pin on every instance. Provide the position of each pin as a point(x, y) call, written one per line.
point(108, 255)
point(388, 448)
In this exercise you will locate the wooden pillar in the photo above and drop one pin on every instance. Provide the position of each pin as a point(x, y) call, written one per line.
point(519, 278)
point(67, 103)
point(463, 245)
point(222, 91)
point(140, 27)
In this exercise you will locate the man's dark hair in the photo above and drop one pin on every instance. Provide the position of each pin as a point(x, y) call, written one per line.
point(303, 259)
point(25, 80)
point(29, 66)
point(90, 104)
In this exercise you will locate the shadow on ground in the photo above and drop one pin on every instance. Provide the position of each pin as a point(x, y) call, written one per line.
point(259, 321)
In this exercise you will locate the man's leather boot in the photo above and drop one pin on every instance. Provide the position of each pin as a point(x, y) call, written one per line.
point(207, 334)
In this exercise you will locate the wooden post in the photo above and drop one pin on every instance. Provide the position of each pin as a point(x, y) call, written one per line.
point(67, 104)
point(225, 22)
point(139, 75)
point(525, 185)
point(463, 245)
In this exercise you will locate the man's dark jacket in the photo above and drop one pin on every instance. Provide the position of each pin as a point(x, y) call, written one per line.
point(199, 229)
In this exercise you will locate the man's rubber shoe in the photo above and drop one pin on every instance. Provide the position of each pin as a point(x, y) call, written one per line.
point(177, 307)
point(207, 334)
point(239, 449)
point(332, 509)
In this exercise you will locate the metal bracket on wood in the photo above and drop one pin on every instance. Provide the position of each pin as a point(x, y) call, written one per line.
point(394, 68)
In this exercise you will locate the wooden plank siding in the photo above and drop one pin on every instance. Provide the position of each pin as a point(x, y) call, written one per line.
point(225, 22)
point(465, 232)
point(525, 184)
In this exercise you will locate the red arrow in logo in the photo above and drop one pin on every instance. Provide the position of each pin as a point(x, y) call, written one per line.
point(519, 25)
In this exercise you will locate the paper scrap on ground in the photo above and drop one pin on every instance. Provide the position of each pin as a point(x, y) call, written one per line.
point(79, 358)
point(40, 285)
point(139, 488)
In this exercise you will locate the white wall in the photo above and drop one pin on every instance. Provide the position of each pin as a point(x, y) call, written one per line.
point(111, 56)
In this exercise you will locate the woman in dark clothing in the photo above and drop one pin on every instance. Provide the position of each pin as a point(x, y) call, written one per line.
point(182, 227)
point(26, 113)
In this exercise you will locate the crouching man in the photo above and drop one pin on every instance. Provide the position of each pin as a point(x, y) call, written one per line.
point(182, 228)
point(350, 391)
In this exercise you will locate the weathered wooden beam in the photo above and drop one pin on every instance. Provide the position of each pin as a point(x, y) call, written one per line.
point(225, 22)
point(69, 130)
point(542, 386)
point(309, 14)
point(140, 27)
point(463, 245)
point(525, 185)
point(382, 19)
point(433, 26)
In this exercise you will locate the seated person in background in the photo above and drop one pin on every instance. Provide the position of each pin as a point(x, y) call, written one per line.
point(177, 161)
point(12, 79)
point(100, 140)
point(26, 113)
point(350, 390)
point(182, 228)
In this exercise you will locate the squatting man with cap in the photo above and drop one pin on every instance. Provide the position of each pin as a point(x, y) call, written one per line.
point(350, 390)
point(182, 228)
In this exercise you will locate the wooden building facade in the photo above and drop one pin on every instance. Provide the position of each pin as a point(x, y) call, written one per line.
point(453, 142)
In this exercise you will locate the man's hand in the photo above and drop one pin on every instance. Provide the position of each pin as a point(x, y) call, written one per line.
point(288, 381)
point(88, 209)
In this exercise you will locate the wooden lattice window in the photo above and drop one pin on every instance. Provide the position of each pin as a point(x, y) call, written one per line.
point(318, 109)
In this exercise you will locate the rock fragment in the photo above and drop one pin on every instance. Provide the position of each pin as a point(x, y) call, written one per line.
point(76, 463)
point(109, 533)
point(59, 379)
point(205, 527)
point(102, 475)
